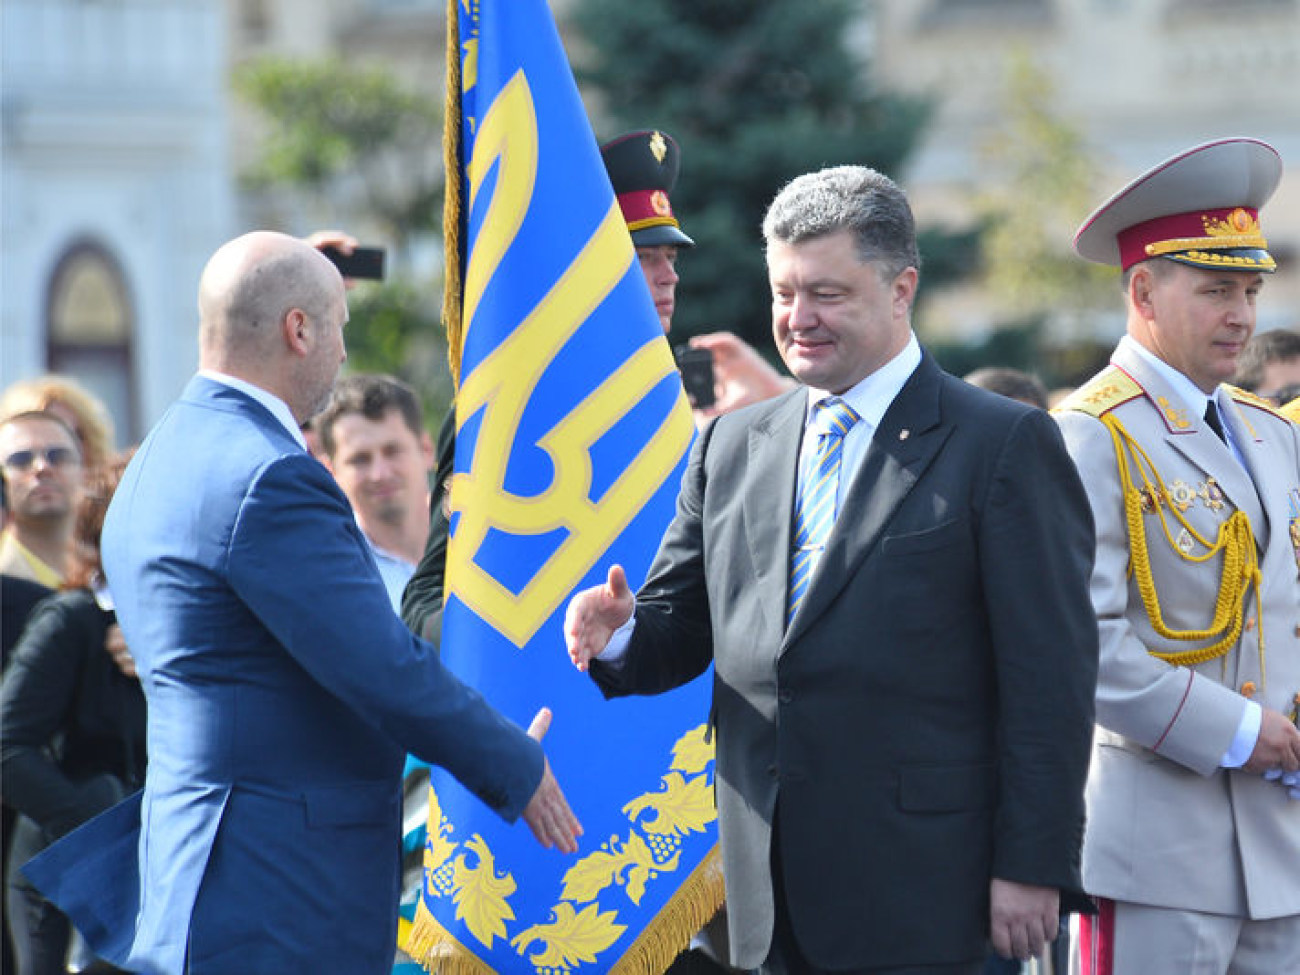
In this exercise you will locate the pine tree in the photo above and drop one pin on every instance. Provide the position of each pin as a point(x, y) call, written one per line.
point(756, 92)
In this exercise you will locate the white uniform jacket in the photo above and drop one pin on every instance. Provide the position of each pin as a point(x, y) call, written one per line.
point(1166, 825)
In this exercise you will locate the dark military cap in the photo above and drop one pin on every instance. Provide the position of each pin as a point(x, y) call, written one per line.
point(642, 167)
point(1200, 207)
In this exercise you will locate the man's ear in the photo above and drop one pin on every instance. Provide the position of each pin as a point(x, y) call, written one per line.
point(904, 291)
point(1141, 284)
point(296, 331)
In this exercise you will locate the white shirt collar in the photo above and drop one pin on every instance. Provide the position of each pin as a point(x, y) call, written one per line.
point(872, 396)
point(1187, 390)
point(278, 407)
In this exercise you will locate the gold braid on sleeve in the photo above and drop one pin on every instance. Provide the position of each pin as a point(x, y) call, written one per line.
point(1139, 477)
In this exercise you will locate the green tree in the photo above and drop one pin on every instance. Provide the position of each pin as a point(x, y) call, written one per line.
point(348, 138)
point(1043, 181)
point(357, 149)
point(756, 92)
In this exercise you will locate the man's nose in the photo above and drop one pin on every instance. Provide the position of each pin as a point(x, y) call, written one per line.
point(801, 313)
point(1242, 311)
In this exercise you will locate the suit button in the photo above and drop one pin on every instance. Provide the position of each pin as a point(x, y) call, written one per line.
point(773, 771)
point(1250, 625)
point(785, 695)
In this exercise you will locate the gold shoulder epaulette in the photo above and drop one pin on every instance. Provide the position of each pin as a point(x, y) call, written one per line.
point(1102, 393)
point(1250, 399)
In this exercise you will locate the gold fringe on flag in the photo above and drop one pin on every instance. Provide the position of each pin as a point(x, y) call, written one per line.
point(696, 902)
point(434, 947)
point(669, 934)
point(451, 201)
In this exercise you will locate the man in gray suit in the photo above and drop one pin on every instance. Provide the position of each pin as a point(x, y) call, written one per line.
point(888, 568)
point(1193, 840)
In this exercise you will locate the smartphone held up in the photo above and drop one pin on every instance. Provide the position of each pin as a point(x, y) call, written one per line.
point(364, 262)
point(696, 367)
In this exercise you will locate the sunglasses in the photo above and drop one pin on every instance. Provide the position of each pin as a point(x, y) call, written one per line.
point(22, 460)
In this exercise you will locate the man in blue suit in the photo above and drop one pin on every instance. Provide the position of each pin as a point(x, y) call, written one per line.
point(282, 689)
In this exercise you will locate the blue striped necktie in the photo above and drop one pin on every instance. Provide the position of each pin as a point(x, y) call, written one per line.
point(819, 481)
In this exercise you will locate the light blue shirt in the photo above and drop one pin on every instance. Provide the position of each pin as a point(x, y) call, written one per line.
point(394, 570)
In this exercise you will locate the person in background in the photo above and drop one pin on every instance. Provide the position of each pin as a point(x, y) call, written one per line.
point(18, 597)
point(74, 726)
point(903, 694)
point(1269, 366)
point(1193, 830)
point(1023, 387)
point(373, 438)
point(67, 399)
point(41, 462)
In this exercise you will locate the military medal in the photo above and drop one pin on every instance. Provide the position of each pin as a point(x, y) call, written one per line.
point(1212, 494)
point(1182, 495)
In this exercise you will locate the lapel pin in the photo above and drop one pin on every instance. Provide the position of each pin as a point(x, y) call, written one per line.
point(904, 434)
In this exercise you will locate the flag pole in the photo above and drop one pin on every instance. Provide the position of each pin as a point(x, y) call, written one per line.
point(452, 190)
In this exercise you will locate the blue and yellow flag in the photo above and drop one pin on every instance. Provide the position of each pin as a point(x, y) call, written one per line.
point(572, 432)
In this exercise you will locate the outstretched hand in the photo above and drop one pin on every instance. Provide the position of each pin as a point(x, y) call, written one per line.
point(548, 814)
point(593, 616)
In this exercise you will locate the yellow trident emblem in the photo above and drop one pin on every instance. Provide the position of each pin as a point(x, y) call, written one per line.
point(502, 384)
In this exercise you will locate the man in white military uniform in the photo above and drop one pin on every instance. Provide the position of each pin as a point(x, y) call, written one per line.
point(1193, 835)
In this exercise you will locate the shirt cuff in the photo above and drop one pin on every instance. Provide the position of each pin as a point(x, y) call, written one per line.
point(1243, 743)
point(616, 649)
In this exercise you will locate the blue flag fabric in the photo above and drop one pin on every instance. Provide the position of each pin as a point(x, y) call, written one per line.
point(572, 432)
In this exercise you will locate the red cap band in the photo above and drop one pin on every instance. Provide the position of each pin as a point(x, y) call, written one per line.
point(1204, 230)
point(645, 208)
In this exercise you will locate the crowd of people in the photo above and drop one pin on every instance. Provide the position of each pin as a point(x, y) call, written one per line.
point(979, 667)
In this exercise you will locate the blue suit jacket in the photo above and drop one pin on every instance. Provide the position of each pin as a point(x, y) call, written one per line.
point(282, 692)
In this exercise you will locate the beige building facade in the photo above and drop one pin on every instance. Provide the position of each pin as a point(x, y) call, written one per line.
point(1139, 81)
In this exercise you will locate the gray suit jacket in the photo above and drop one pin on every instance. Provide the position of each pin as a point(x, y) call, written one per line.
point(924, 722)
point(1166, 825)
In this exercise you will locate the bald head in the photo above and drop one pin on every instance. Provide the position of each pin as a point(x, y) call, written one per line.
point(271, 312)
point(247, 289)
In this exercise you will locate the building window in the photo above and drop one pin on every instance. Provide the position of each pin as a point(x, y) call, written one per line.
point(90, 322)
point(254, 21)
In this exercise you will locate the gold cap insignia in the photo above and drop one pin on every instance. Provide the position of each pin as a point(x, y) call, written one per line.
point(658, 147)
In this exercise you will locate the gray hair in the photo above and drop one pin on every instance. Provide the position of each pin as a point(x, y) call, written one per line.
point(860, 200)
